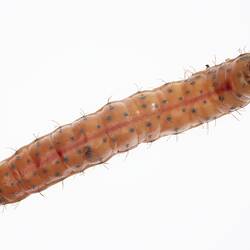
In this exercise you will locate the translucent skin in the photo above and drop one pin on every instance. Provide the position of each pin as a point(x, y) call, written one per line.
point(122, 125)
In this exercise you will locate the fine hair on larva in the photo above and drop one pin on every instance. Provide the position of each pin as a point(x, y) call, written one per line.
point(121, 125)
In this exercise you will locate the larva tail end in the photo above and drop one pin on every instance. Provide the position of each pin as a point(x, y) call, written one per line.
point(241, 73)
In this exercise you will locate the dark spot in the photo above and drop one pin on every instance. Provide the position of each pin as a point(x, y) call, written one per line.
point(13, 166)
point(215, 84)
point(12, 184)
point(239, 95)
point(221, 98)
point(77, 165)
point(125, 113)
point(111, 107)
point(33, 186)
point(148, 124)
point(183, 110)
point(164, 101)
point(98, 126)
point(37, 154)
point(180, 98)
point(65, 159)
point(205, 101)
point(143, 105)
point(57, 174)
point(131, 130)
point(88, 152)
point(170, 90)
point(169, 118)
point(18, 157)
point(1, 190)
point(79, 151)
point(193, 110)
point(201, 91)
point(6, 174)
point(158, 117)
point(104, 140)
point(192, 82)
point(109, 118)
point(57, 162)
point(72, 138)
point(239, 74)
point(187, 92)
point(45, 171)
point(127, 145)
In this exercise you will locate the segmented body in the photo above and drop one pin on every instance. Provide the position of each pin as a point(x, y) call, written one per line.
point(122, 125)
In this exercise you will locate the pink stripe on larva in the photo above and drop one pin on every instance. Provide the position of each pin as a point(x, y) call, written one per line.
point(120, 126)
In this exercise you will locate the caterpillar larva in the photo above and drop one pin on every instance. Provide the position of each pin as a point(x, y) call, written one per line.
point(120, 126)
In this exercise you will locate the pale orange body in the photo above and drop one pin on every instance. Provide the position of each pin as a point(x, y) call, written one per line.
point(122, 125)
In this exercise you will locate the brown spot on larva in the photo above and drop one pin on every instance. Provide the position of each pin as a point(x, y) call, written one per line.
point(180, 98)
point(88, 152)
point(204, 101)
point(109, 118)
point(143, 105)
point(79, 151)
point(239, 95)
point(192, 82)
point(111, 107)
point(187, 92)
point(125, 113)
point(13, 166)
point(148, 124)
point(6, 174)
point(169, 118)
point(170, 90)
point(158, 117)
point(57, 162)
point(164, 101)
point(201, 91)
point(104, 140)
point(193, 110)
point(72, 138)
point(131, 130)
point(183, 110)
point(65, 159)
point(57, 174)
point(127, 145)
point(98, 126)
point(28, 161)
point(221, 98)
point(45, 171)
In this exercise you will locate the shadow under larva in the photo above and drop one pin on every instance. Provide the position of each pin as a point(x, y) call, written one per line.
point(121, 125)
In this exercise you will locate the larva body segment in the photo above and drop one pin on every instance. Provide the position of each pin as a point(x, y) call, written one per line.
point(122, 125)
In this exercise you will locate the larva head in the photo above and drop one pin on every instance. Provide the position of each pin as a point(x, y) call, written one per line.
point(241, 74)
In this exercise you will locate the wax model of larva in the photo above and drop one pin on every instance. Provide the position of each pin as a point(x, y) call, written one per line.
point(122, 125)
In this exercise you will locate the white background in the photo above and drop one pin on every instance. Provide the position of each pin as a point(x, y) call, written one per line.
point(61, 58)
